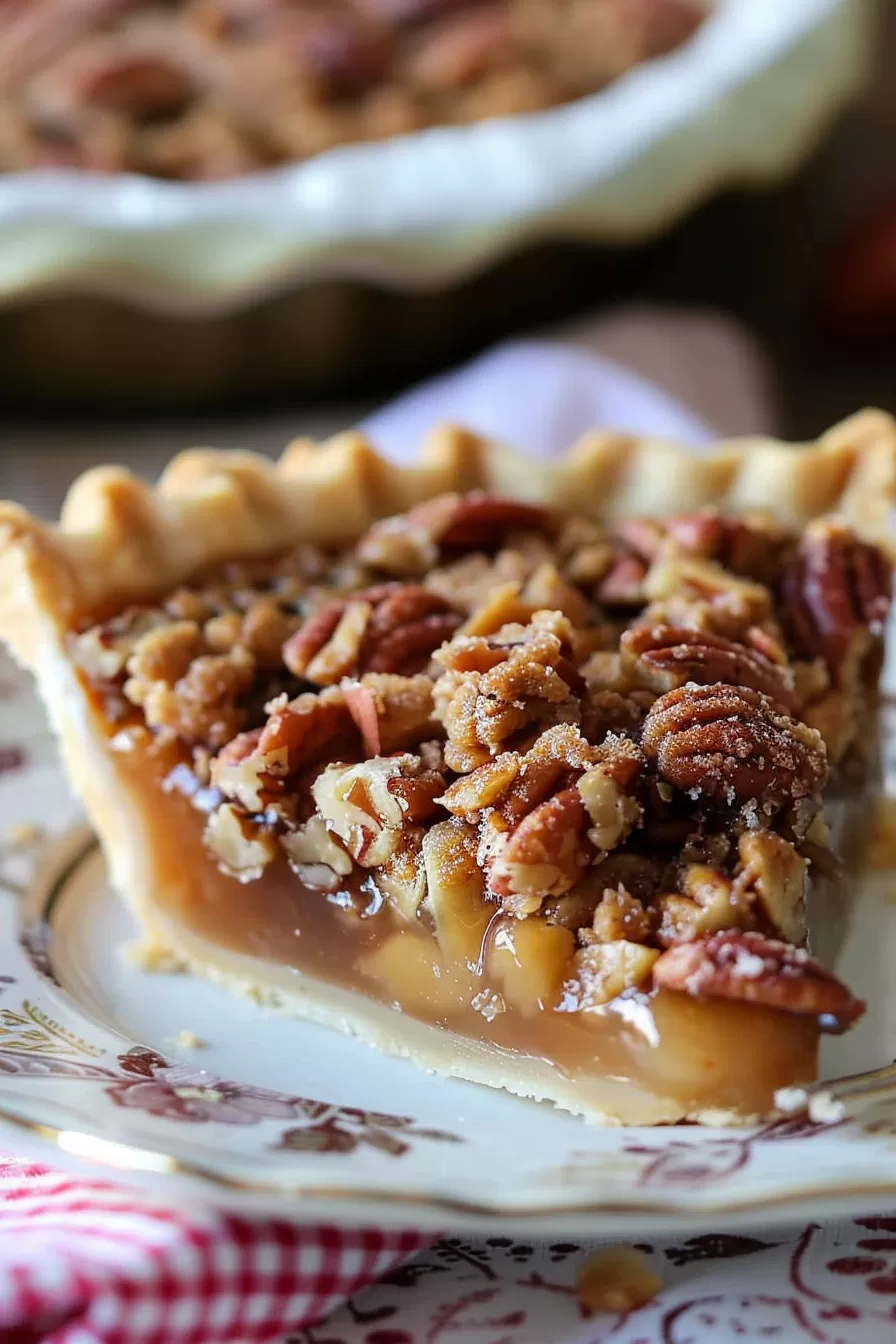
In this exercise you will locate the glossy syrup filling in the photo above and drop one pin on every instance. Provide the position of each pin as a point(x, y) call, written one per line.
point(644, 1056)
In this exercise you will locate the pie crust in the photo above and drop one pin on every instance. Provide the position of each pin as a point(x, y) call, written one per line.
point(120, 541)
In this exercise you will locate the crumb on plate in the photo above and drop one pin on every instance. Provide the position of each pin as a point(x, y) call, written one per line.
point(21, 834)
point(618, 1279)
point(188, 1040)
point(148, 956)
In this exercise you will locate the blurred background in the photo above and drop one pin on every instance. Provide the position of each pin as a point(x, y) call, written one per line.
point(203, 240)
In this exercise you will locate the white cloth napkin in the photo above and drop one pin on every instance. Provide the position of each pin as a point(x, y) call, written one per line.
point(689, 376)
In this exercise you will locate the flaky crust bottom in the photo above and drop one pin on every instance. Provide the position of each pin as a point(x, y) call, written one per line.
point(120, 541)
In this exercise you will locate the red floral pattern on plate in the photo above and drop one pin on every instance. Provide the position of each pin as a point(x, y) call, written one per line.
point(818, 1287)
point(178, 1092)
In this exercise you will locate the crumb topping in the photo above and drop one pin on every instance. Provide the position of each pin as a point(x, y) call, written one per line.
point(608, 745)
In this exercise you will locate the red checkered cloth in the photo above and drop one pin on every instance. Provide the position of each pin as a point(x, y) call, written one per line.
point(81, 1262)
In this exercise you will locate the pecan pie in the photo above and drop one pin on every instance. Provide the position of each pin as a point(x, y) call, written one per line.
point(555, 793)
point(197, 89)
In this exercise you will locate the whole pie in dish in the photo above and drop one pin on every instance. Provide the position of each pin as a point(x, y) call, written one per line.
point(199, 89)
point(542, 775)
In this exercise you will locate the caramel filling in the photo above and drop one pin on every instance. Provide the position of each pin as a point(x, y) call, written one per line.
point(643, 1056)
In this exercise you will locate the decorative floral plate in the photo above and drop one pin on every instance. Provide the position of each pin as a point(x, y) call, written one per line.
point(173, 1080)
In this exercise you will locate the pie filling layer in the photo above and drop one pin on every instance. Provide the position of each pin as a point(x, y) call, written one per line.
point(208, 89)
point(564, 791)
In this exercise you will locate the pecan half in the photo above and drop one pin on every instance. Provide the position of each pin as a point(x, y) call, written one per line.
point(836, 593)
point(623, 583)
point(480, 522)
point(733, 745)
point(408, 623)
point(751, 544)
point(410, 542)
point(667, 656)
point(756, 969)
point(394, 627)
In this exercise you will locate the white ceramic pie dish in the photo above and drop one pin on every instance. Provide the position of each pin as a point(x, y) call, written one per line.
point(742, 102)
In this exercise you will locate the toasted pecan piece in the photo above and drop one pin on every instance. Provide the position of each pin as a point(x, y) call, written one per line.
point(368, 805)
point(836, 592)
point(393, 627)
point(756, 969)
point(409, 543)
point(479, 521)
point(733, 745)
point(543, 856)
point(666, 656)
point(772, 869)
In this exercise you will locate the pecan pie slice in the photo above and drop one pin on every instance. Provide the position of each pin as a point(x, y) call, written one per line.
point(553, 793)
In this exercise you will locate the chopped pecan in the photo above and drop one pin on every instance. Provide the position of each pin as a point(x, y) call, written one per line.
point(516, 782)
point(484, 787)
point(543, 856)
point(478, 521)
point(402, 878)
point(665, 657)
point(575, 909)
point(755, 969)
point(547, 590)
point(407, 624)
point(315, 856)
point(836, 594)
point(471, 582)
point(772, 868)
point(264, 629)
point(604, 789)
point(461, 49)
point(391, 628)
point(255, 767)
point(367, 805)
point(739, 601)
point(455, 885)
point(503, 606)
point(313, 635)
point(639, 874)
point(204, 704)
point(619, 916)
point(392, 712)
point(603, 971)
point(332, 648)
point(162, 654)
point(409, 544)
point(101, 651)
point(708, 902)
point(730, 744)
point(495, 688)
point(750, 544)
point(622, 585)
point(242, 848)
